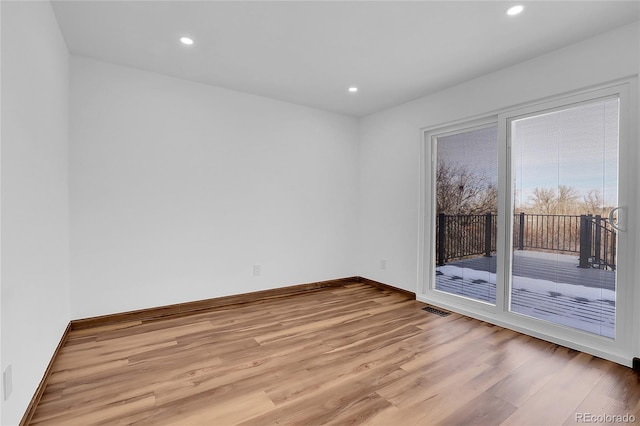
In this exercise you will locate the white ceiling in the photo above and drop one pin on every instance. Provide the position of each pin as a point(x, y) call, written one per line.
point(310, 52)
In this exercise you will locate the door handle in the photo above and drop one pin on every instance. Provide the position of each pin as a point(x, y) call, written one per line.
point(616, 225)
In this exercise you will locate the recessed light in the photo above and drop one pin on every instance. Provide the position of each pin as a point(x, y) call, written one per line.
point(186, 40)
point(515, 10)
point(352, 89)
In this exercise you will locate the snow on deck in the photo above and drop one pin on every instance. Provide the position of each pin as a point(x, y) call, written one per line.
point(585, 307)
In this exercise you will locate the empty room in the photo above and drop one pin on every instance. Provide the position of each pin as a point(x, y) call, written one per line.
point(320, 212)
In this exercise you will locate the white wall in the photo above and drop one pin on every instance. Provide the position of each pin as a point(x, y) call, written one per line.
point(636, 301)
point(390, 142)
point(178, 189)
point(34, 188)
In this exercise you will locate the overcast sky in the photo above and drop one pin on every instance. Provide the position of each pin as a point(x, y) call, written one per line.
point(575, 147)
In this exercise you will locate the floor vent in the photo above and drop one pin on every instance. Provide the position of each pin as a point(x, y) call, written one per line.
point(436, 311)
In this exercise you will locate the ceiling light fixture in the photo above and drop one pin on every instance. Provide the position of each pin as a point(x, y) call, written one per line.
point(186, 40)
point(352, 89)
point(515, 10)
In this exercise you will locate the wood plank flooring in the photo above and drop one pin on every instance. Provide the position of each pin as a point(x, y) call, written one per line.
point(348, 355)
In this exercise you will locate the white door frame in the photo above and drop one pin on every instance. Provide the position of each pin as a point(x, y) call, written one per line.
point(619, 350)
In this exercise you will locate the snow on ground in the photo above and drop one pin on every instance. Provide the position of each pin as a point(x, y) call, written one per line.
point(585, 308)
point(532, 284)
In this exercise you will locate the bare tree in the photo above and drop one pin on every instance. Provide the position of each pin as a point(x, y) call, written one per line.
point(463, 192)
point(543, 200)
point(593, 203)
point(566, 200)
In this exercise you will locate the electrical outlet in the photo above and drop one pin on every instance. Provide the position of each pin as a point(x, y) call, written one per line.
point(383, 264)
point(7, 382)
point(257, 270)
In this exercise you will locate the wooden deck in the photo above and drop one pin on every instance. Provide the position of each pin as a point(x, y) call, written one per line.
point(546, 266)
point(546, 286)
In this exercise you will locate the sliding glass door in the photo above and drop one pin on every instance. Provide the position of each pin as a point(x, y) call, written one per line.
point(565, 185)
point(466, 186)
point(525, 218)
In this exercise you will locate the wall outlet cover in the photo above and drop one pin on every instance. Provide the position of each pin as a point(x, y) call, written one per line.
point(7, 382)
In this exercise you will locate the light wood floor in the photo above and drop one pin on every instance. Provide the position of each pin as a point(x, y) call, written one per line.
point(348, 355)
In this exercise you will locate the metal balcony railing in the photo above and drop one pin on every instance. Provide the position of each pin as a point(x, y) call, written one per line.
point(591, 237)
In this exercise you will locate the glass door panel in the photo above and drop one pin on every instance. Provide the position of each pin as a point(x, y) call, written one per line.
point(466, 178)
point(564, 248)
